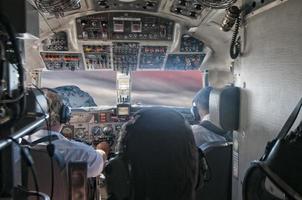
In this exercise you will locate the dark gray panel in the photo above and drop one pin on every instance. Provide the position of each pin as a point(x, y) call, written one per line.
point(22, 15)
point(271, 71)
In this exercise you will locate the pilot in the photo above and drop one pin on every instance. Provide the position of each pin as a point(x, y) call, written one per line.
point(72, 151)
point(157, 158)
point(205, 131)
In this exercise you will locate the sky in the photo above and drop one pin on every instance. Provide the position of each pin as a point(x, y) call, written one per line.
point(171, 88)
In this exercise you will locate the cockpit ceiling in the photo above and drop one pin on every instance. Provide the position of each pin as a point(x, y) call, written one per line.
point(190, 12)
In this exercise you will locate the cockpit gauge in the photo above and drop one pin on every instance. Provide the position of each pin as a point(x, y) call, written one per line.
point(101, 133)
point(108, 130)
point(96, 131)
point(80, 133)
point(67, 131)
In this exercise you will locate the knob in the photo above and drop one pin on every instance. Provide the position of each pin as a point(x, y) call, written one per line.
point(197, 6)
point(103, 4)
point(107, 130)
point(177, 10)
point(150, 4)
point(83, 22)
point(182, 2)
point(193, 14)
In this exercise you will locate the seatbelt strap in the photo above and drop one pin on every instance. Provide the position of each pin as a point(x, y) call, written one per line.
point(290, 121)
point(211, 127)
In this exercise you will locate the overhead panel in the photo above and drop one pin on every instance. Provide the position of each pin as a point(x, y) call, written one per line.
point(189, 8)
point(139, 5)
point(124, 26)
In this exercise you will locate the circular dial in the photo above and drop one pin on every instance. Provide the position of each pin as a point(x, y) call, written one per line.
point(67, 132)
point(80, 133)
point(97, 132)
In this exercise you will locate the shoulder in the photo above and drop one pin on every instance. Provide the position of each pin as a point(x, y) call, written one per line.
point(198, 128)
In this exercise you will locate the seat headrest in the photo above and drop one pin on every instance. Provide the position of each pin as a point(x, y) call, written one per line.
point(224, 106)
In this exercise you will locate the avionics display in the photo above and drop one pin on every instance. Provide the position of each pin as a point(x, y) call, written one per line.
point(97, 56)
point(190, 44)
point(184, 61)
point(63, 61)
point(124, 26)
point(123, 110)
point(152, 57)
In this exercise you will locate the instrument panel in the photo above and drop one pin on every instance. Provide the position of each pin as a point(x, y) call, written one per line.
point(125, 56)
point(190, 44)
point(57, 42)
point(63, 61)
point(97, 56)
point(184, 61)
point(94, 126)
point(124, 26)
point(152, 57)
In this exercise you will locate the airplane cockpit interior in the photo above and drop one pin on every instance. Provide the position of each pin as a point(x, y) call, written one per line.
point(79, 78)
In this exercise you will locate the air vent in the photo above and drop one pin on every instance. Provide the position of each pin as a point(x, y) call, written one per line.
point(57, 7)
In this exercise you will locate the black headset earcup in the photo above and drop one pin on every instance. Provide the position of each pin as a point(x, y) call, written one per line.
point(65, 114)
point(195, 113)
point(117, 179)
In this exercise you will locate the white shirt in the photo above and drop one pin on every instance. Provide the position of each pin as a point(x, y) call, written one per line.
point(203, 135)
point(74, 151)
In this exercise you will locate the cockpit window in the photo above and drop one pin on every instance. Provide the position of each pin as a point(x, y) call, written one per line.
point(170, 88)
point(82, 88)
point(98, 88)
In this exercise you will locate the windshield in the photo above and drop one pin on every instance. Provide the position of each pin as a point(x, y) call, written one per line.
point(98, 88)
point(170, 88)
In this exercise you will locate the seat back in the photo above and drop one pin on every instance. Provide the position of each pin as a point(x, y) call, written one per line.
point(219, 158)
point(43, 169)
point(224, 105)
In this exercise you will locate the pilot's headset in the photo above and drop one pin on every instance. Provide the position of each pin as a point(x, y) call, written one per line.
point(119, 171)
point(64, 111)
point(201, 97)
point(194, 111)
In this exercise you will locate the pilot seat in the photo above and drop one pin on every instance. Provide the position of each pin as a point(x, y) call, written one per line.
point(224, 114)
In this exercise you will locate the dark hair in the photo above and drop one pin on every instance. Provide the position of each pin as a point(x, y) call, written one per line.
point(202, 97)
point(160, 147)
